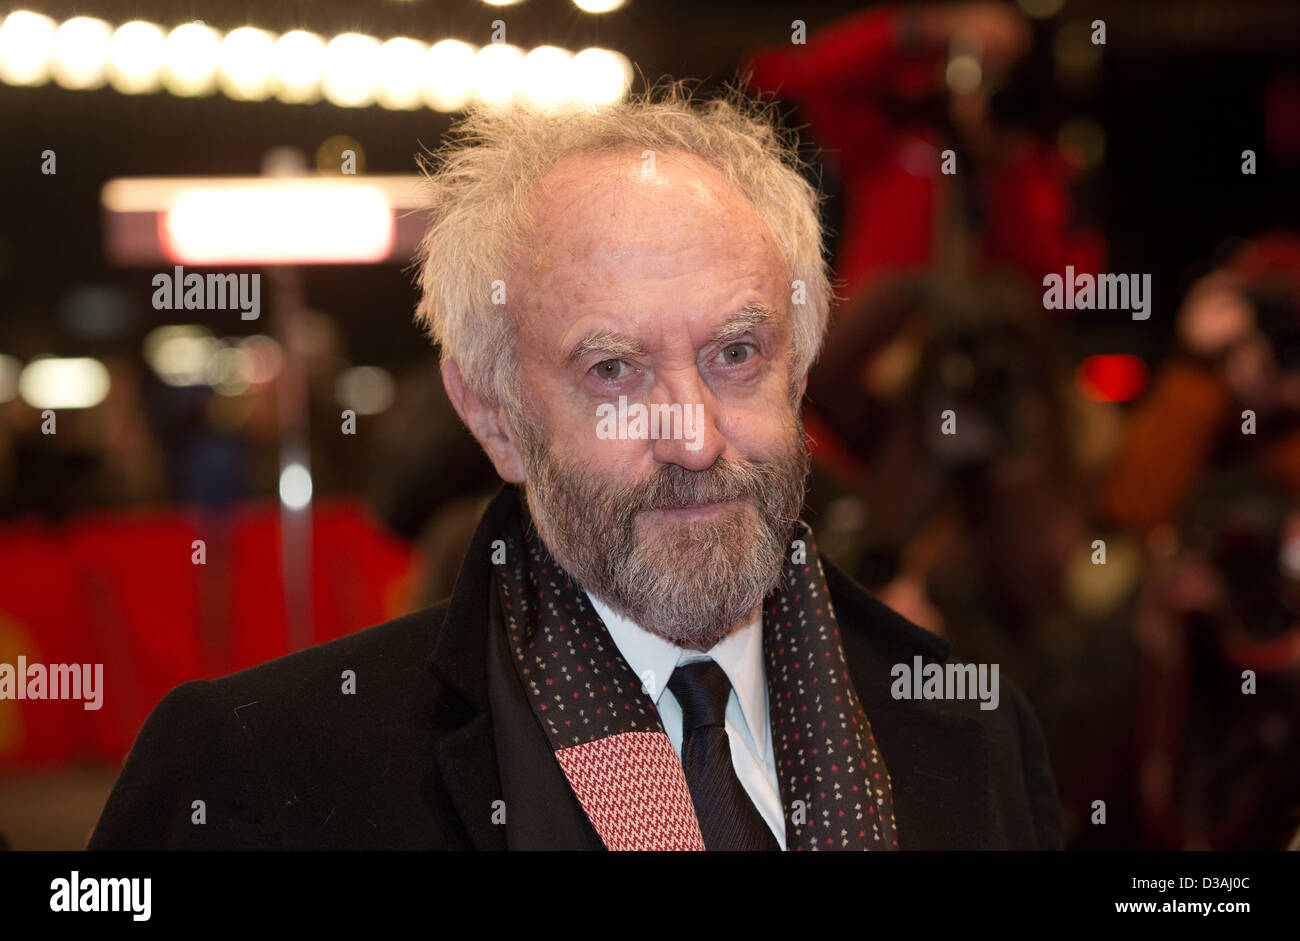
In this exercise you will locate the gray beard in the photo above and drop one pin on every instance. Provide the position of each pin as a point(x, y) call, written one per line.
point(691, 583)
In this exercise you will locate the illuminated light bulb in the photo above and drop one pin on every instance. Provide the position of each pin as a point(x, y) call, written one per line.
point(50, 382)
point(292, 221)
point(26, 47)
point(299, 60)
point(498, 72)
point(349, 70)
point(82, 47)
point(448, 75)
point(190, 60)
point(246, 63)
point(600, 76)
point(295, 487)
point(400, 72)
point(136, 57)
point(547, 76)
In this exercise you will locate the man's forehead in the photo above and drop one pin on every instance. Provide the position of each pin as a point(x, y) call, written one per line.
point(624, 192)
point(599, 215)
point(667, 254)
point(584, 171)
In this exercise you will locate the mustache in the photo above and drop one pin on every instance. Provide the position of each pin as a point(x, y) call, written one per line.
point(673, 487)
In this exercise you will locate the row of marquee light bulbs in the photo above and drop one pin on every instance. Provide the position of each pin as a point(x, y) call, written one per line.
point(299, 67)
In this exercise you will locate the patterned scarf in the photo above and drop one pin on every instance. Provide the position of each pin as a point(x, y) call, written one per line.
point(612, 747)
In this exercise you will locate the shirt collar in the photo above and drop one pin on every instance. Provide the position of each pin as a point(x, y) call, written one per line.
point(740, 654)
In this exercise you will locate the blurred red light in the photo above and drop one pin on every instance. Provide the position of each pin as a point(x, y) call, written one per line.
point(1112, 378)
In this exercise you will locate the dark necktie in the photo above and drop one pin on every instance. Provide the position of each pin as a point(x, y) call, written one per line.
point(728, 818)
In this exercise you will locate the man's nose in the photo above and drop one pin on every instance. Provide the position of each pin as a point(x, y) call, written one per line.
point(691, 439)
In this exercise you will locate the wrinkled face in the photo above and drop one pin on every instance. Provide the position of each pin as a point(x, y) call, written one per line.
point(664, 458)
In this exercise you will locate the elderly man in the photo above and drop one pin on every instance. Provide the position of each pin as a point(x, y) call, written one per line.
point(643, 649)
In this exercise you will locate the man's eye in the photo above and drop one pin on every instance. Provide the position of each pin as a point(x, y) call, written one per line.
point(733, 354)
point(610, 369)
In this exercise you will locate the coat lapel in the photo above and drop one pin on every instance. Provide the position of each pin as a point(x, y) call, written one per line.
point(468, 769)
point(464, 750)
point(937, 760)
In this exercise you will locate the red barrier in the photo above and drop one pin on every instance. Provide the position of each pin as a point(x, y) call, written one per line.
point(124, 590)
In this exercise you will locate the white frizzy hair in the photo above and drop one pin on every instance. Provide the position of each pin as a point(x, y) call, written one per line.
point(483, 176)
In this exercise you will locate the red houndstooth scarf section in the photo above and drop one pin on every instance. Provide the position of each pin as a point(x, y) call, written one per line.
point(606, 732)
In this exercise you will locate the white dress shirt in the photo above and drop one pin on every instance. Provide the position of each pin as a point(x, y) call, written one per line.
point(740, 654)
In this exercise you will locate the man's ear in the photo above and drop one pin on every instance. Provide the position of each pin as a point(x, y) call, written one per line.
point(488, 422)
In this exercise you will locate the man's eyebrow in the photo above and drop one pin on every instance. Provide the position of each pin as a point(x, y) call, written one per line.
point(619, 345)
point(615, 344)
point(736, 326)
